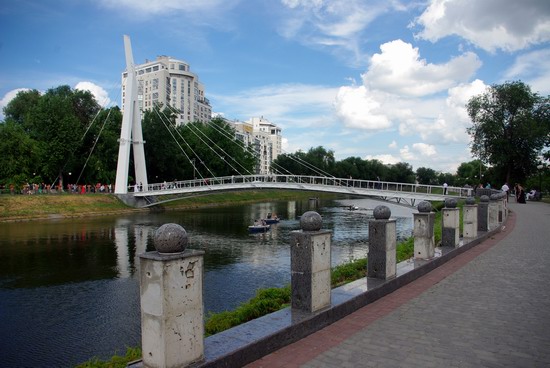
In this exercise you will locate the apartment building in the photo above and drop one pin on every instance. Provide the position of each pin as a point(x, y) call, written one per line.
point(266, 139)
point(170, 82)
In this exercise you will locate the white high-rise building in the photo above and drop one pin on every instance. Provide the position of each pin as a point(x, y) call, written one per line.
point(266, 139)
point(169, 82)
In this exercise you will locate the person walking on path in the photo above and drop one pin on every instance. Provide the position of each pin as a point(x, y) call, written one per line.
point(487, 307)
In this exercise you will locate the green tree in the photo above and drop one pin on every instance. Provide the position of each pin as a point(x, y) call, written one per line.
point(18, 158)
point(194, 150)
point(56, 121)
point(426, 176)
point(471, 173)
point(510, 128)
point(400, 172)
point(317, 162)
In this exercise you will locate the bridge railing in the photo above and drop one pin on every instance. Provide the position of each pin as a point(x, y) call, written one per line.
point(312, 180)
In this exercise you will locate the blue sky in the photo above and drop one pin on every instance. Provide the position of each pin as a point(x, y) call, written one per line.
point(384, 79)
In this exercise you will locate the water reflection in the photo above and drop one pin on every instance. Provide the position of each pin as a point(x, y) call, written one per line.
point(69, 288)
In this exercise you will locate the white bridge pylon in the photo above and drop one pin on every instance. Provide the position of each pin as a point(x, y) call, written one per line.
point(130, 132)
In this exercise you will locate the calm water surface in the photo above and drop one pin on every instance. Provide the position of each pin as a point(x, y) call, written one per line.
point(69, 289)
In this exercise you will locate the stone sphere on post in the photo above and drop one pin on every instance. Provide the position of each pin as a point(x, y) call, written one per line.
point(381, 212)
point(470, 201)
point(484, 198)
point(450, 203)
point(170, 238)
point(424, 207)
point(311, 221)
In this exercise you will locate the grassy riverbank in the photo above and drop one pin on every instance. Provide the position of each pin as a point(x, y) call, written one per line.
point(44, 206)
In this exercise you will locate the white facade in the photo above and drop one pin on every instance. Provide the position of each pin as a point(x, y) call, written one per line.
point(169, 82)
point(266, 139)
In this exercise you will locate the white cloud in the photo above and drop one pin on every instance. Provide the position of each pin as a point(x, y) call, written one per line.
point(7, 98)
point(508, 25)
point(406, 154)
point(101, 96)
point(424, 149)
point(401, 89)
point(287, 105)
point(358, 108)
point(399, 69)
point(393, 144)
point(384, 158)
point(338, 24)
point(533, 68)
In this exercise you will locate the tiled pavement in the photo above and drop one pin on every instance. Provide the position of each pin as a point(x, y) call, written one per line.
point(488, 307)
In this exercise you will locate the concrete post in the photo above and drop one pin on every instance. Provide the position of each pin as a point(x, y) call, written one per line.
point(172, 325)
point(423, 232)
point(493, 212)
point(382, 262)
point(500, 208)
point(310, 260)
point(483, 214)
point(450, 229)
point(469, 217)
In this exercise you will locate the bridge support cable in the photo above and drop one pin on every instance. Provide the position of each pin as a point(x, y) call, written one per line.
point(251, 151)
point(186, 143)
point(309, 165)
point(191, 128)
point(93, 147)
point(71, 155)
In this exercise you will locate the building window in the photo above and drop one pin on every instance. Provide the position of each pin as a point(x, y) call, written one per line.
point(155, 84)
point(155, 68)
point(148, 70)
point(182, 67)
point(171, 66)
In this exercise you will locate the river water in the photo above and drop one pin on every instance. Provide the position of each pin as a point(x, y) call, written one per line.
point(69, 289)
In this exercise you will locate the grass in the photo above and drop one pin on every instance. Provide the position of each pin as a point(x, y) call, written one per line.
point(37, 206)
point(117, 361)
point(15, 207)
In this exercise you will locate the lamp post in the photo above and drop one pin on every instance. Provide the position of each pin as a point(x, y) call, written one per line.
point(540, 167)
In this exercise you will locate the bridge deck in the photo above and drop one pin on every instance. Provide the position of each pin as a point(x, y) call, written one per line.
point(406, 193)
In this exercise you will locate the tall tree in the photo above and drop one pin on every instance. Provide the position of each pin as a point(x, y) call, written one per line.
point(511, 126)
point(427, 176)
point(400, 172)
point(56, 121)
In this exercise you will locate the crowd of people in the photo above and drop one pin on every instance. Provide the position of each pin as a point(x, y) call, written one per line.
point(521, 195)
point(43, 188)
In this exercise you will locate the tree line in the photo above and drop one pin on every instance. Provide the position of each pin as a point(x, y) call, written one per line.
point(65, 136)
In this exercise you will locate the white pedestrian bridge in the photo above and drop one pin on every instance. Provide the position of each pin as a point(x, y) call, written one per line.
point(404, 193)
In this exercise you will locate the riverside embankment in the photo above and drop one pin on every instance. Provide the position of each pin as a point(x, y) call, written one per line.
point(48, 206)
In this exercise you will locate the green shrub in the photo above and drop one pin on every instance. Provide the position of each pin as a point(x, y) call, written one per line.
point(117, 361)
point(348, 272)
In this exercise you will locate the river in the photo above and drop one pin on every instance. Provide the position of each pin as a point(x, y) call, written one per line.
point(69, 288)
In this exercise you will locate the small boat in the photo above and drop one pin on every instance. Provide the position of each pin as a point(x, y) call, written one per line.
point(258, 228)
point(271, 219)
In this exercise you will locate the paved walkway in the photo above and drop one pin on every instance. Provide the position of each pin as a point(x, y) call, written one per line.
point(488, 307)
